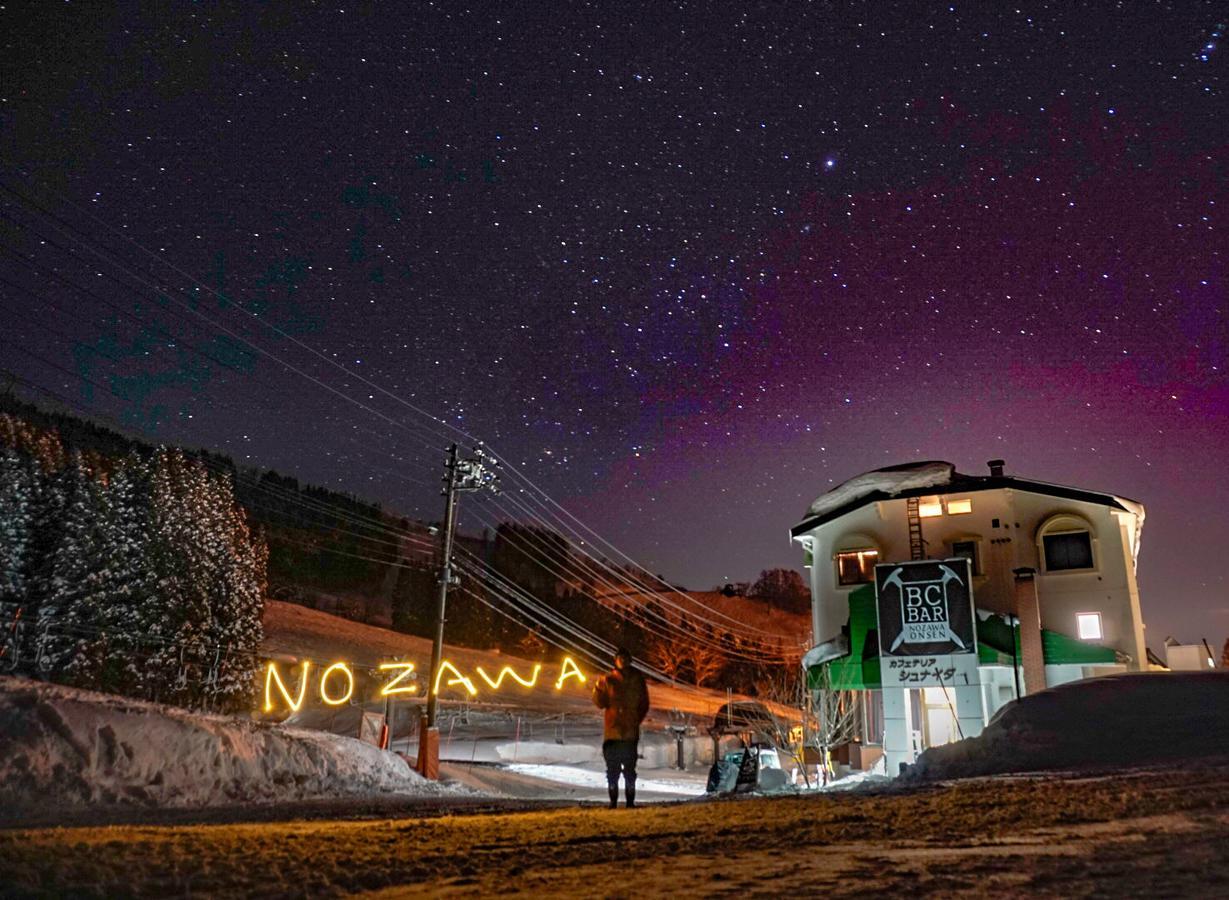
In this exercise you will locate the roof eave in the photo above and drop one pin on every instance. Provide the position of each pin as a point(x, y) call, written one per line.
point(967, 485)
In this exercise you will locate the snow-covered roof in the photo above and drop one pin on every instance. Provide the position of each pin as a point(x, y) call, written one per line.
point(939, 477)
point(890, 481)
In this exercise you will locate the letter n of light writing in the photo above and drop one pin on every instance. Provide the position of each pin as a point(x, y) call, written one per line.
point(568, 670)
point(272, 675)
point(407, 669)
point(508, 671)
point(457, 678)
point(324, 680)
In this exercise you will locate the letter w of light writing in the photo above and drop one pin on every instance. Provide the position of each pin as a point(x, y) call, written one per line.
point(508, 671)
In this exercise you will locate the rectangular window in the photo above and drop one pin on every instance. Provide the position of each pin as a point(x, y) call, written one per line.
point(929, 508)
point(1089, 626)
point(856, 566)
point(967, 549)
point(1072, 550)
point(959, 507)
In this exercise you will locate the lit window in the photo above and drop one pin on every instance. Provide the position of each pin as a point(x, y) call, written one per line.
point(1089, 625)
point(929, 508)
point(959, 507)
point(856, 566)
point(1068, 550)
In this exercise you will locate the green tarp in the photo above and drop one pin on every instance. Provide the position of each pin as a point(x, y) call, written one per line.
point(860, 669)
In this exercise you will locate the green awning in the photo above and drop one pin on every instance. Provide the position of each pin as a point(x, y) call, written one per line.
point(1059, 649)
point(860, 669)
point(995, 635)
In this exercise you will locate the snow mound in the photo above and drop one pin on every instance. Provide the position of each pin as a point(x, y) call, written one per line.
point(63, 747)
point(1113, 721)
point(891, 481)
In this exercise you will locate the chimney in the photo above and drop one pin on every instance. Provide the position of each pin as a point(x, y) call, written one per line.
point(1028, 614)
point(996, 468)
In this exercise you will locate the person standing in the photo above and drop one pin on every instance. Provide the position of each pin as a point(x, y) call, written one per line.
point(624, 696)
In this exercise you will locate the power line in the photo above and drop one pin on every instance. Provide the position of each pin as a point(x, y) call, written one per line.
point(535, 489)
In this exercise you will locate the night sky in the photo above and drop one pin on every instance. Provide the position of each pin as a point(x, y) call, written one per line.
point(691, 265)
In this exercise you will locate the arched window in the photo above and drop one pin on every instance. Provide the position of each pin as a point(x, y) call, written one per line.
point(1067, 543)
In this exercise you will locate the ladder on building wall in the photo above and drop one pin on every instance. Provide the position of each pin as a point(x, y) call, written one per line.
point(917, 546)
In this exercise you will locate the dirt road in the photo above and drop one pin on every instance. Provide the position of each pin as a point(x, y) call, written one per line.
point(1161, 833)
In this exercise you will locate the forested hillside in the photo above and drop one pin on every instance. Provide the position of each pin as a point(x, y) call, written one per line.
point(311, 546)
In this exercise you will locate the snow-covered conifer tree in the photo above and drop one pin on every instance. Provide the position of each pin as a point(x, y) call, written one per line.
point(18, 500)
point(71, 642)
point(238, 605)
point(177, 616)
point(130, 580)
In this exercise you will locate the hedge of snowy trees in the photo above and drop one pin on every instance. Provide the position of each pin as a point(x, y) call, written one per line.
point(137, 576)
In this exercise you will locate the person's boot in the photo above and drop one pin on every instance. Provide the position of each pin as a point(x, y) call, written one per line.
point(631, 797)
point(614, 797)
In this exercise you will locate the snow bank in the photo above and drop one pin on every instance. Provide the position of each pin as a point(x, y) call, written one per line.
point(1117, 720)
point(891, 481)
point(547, 753)
point(63, 747)
point(596, 780)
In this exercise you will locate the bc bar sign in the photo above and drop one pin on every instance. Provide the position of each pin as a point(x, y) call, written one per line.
point(926, 632)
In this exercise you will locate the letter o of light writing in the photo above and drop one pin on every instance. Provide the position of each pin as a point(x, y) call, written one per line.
point(324, 681)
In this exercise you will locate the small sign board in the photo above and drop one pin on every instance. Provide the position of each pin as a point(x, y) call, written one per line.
point(371, 727)
point(926, 631)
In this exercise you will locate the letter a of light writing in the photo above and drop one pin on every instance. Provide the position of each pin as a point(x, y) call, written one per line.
point(508, 671)
point(457, 678)
point(272, 675)
point(566, 671)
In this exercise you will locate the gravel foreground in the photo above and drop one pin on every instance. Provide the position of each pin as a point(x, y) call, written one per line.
point(1154, 832)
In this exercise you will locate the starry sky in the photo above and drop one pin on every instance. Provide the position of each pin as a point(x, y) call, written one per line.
point(689, 265)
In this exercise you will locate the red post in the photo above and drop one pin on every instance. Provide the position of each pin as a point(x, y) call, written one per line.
point(428, 765)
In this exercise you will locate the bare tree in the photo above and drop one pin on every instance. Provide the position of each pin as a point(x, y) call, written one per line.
point(706, 663)
point(669, 655)
point(839, 714)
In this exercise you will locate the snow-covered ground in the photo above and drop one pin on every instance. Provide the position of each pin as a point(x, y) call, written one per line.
point(67, 748)
point(1162, 833)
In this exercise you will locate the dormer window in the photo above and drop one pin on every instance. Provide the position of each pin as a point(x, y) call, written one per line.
point(856, 566)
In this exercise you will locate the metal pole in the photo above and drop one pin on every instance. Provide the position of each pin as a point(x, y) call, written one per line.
point(1015, 661)
point(437, 647)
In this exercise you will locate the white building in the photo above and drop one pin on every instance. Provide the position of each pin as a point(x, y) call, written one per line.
point(1056, 562)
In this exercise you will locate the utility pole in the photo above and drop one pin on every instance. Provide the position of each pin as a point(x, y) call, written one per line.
point(462, 476)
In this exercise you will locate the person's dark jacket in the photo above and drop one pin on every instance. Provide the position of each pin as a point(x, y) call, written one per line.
point(624, 696)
